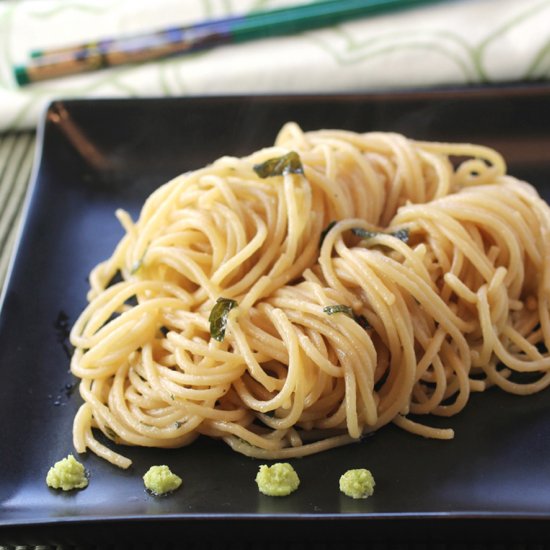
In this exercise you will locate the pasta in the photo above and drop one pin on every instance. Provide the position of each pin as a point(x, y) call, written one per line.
point(299, 298)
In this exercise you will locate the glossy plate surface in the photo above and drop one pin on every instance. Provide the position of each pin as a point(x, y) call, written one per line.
point(96, 156)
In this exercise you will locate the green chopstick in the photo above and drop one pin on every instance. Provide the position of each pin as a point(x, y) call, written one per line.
point(48, 64)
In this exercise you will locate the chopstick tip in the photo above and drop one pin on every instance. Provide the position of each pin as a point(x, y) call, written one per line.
point(21, 75)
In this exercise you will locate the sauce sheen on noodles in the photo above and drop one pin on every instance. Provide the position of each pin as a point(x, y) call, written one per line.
point(353, 281)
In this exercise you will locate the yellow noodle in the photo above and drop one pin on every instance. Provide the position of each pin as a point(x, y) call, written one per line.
point(388, 278)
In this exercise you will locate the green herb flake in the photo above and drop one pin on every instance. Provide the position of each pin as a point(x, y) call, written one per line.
point(110, 433)
point(361, 320)
point(218, 317)
point(280, 166)
point(401, 234)
point(325, 231)
point(243, 441)
point(364, 233)
point(137, 265)
point(338, 308)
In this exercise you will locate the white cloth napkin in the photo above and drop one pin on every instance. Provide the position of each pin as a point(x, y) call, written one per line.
point(451, 42)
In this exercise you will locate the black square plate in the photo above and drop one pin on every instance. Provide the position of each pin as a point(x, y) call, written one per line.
point(492, 482)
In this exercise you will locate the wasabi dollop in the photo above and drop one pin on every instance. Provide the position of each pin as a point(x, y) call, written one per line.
point(278, 480)
point(67, 474)
point(357, 483)
point(160, 480)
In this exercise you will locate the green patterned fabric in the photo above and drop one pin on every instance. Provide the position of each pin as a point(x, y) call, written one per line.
point(16, 158)
point(440, 43)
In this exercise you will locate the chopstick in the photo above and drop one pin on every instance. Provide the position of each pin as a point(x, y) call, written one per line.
point(111, 52)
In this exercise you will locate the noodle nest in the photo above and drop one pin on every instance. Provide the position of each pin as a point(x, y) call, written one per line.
point(299, 298)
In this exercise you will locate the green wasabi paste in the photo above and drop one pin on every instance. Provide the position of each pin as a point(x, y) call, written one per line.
point(278, 480)
point(67, 474)
point(160, 480)
point(357, 483)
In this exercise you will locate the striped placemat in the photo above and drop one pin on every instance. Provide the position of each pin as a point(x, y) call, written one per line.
point(16, 159)
point(236, 545)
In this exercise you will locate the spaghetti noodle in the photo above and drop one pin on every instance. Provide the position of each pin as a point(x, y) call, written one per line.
point(369, 278)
